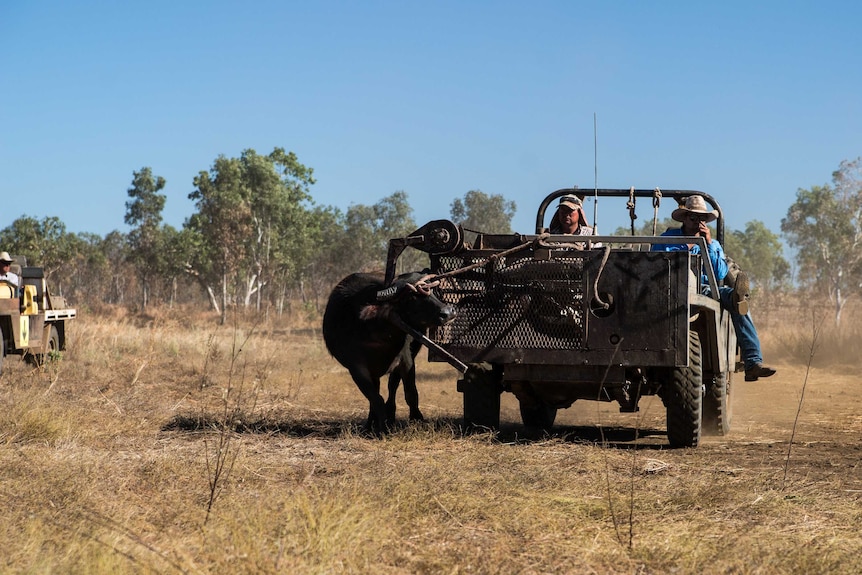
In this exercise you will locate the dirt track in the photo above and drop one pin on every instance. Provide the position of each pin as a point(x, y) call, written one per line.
point(827, 441)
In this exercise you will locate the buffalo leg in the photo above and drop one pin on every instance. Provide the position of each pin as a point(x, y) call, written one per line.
point(394, 382)
point(370, 388)
point(411, 394)
point(406, 372)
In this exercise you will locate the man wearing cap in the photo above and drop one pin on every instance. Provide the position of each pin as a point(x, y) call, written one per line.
point(570, 219)
point(5, 274)
point(694, 216)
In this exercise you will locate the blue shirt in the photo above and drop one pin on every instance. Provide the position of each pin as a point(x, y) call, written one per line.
point(714, 251)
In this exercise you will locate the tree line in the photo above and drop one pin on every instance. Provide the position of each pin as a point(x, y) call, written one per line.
point(257, 240)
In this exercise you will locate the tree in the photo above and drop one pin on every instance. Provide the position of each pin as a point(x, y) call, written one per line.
point(44, 243)
point(115, 248)
point(364, 243)
point(757, 250)
point(824, 225)
point(249, 224)
point(480, 212)
point(88, 277)
point(322, 268)
point(646, 228)
point(144, 214)
point(221, 224)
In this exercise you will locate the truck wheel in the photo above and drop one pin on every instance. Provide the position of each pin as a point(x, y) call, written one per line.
point(683, 398)
point(716, 406)
point(38, 359)
point(539, 416)
point(481, 388)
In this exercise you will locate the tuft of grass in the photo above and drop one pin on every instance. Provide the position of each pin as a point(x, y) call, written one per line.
point(104, 469)
point(25, 420)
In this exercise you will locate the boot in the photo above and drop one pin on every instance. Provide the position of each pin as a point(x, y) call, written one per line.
point(757, 371)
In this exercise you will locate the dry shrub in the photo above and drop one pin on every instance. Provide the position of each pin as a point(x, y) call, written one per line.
point(106, 469)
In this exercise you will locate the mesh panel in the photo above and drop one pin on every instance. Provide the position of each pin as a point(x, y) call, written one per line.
point(515, 304)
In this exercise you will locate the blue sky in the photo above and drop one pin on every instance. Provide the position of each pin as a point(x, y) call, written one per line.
point(748, 101)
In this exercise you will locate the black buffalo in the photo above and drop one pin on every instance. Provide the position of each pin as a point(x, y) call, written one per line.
point(360, 331)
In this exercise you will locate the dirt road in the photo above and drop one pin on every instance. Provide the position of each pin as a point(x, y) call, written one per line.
point(827, 439)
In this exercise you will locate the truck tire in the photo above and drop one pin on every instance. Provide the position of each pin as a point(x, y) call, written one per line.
point(38, 359)
point(481, 388)
point(716, 406)
point(683, 397)
point(540, 416)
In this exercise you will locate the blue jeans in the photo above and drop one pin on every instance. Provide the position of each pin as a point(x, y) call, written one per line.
point(746, 334)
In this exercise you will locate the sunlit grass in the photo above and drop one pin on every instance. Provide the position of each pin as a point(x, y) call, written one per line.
point(104, 469)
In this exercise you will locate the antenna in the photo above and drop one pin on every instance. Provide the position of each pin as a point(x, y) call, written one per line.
point(596, 174)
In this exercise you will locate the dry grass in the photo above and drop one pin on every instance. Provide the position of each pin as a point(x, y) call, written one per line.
point(107, 458)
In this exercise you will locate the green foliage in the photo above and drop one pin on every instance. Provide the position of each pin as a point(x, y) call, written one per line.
point(44, 242)
point(364, 242)
point(480, 212)
point(144, 214)
point(646, 228)
point(758, 251)
point(256, 237)
point(249, 230)
point(824, 226)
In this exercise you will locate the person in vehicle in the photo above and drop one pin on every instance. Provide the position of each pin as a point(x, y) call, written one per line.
point(694, 216)
point(6, 275)
point(570, 219)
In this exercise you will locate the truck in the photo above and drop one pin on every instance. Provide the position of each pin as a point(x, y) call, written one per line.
point(555, 319)
point(32, 319)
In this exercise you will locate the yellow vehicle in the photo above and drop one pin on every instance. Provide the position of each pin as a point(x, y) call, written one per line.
point(32, 320)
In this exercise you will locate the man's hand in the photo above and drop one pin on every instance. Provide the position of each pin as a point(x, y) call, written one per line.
point(703, 231)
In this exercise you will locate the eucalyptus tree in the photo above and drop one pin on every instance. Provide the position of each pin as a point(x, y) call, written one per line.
point(285, 234)
point(144, 214)
point(324, 267)
point(114, 247)
point(363, 242)
point(173, 247)
point(87, 276)
point(758, 251)
point(824, 226)
point(482, 212)
point(249, 223)
point(44, 242)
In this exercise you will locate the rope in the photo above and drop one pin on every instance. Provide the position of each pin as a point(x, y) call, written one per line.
point(491, 258)
point(605, 305)
point(539, 241)
point(656, 202)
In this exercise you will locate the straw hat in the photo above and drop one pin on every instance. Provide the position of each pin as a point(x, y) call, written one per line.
point(694, 205)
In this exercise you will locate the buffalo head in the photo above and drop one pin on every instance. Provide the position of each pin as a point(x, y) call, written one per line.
point(411, 297)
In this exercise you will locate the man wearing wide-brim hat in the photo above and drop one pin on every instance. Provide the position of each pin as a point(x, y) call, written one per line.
point(694, 215)
point(6, 275)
